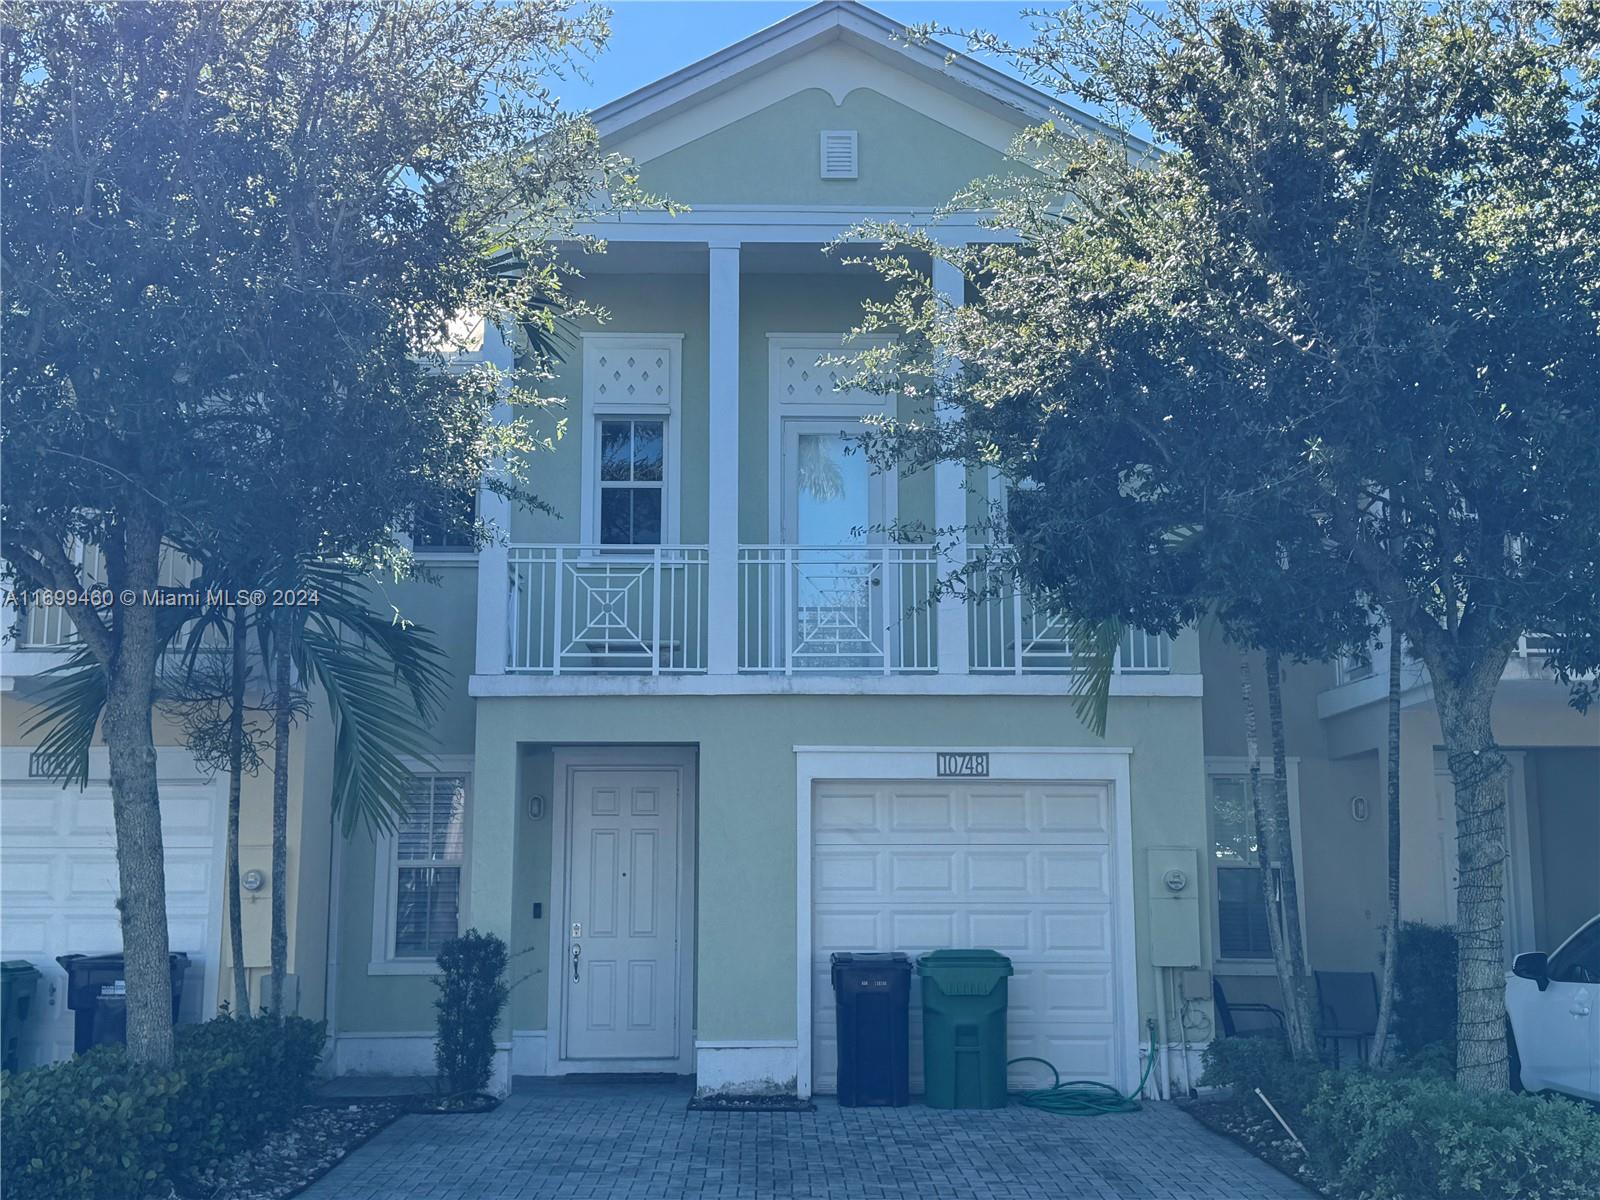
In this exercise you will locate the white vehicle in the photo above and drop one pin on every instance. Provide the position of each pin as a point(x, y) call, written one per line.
point(1553, 1009)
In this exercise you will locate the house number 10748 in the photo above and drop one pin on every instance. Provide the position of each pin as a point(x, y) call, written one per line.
point(967, 763)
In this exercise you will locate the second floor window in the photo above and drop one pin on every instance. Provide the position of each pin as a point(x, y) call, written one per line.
point(435, 529)
point(632, 481)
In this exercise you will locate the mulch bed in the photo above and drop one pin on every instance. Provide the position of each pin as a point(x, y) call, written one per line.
point(1247, 1121)
point(294, 1158)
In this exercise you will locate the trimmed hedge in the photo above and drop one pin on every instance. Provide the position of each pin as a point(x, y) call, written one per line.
point(1416, 1136)
point(99, 1127)
point(1425, 990)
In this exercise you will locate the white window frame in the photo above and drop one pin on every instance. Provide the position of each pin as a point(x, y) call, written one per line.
point(1240, 766)
point(385, 876)
point(668, 411)
point(847, 408)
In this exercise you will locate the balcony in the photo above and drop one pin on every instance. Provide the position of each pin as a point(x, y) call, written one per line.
point(801, 610)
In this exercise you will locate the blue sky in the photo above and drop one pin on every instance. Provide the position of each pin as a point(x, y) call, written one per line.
point(652, 38)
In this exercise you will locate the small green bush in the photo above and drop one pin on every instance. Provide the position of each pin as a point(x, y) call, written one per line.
point(472, 992)
point(1245, 1064)
point(1425, 990)
point(99, 1127)
point(1422, 1138)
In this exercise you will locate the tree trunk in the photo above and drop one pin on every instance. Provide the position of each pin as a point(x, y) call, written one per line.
point(282, 709)
point(136, 805)
point(1280, 845)
point(1382, 1046)
point(1478, 770)
point(236, 682)
point(1301, 1045)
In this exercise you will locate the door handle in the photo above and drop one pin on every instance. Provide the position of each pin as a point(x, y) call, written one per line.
point(577, 953)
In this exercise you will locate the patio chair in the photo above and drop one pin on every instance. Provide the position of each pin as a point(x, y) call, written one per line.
point(1227, 1010)
point(1347, 1003)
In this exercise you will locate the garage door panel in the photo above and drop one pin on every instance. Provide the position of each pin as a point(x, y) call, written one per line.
point(1022, 868)
point(59, 887)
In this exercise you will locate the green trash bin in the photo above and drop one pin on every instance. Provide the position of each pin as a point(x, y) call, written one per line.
point(18, 980)
point(964, 1028)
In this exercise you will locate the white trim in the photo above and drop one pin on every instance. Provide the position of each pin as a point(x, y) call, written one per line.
point(745, 1068)
point(1187, 686)
point(670, 412)
point(383, 960)
point(530, 1052)
point(834, 21)
point(566, 759)
point(1107, 765)
point(1239, 765)
point(405, 1055)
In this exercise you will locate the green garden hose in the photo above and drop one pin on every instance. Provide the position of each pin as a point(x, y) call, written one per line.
point(1080, 1097)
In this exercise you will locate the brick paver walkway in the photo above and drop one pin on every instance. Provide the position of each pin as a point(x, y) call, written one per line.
point(554, 1140)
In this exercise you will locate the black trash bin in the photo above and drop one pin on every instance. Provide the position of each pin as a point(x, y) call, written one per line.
point(96, 994)
point(873, 993)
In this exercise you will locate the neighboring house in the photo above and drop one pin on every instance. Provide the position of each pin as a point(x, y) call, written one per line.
point(707, 728)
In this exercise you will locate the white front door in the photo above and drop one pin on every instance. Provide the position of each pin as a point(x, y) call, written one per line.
point(621, 971)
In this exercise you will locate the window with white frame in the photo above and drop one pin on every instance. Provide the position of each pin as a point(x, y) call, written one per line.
point(632, 477)
point(427, 856)
point(1241, 913)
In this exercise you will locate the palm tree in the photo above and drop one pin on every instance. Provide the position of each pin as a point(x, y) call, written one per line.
point(382, 678)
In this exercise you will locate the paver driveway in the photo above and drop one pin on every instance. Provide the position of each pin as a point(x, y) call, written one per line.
point(575, 1141)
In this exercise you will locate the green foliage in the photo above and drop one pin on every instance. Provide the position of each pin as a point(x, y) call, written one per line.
point(1245, 1064)
point(1425, 991)
point(1415, 1135)
point(472, 992)
point(100, 1127)
point(1422, 1138)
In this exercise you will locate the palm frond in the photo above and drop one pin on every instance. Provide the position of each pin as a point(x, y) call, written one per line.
point(376, 732)
point(1094, 658)
point(69, 711)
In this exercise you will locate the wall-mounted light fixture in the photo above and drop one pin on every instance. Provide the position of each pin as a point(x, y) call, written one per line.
point(1360, 810)
point(536, 808)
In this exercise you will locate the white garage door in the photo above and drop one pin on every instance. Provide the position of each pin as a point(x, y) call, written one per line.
point(1022, 868)
point(58, 888)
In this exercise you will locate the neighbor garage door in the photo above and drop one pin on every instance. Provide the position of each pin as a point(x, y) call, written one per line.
point(58, 889)
point(1022, 868)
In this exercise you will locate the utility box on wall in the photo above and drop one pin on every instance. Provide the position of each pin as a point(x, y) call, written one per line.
point(1174, 905)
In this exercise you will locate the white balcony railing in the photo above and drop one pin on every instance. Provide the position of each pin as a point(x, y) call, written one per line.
point(608, 610)
point(1008, 634)
point(838, 609)
point(802, 610)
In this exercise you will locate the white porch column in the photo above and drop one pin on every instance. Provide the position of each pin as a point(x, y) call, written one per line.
point(722, 608)
point(950, 508)
point(494, 572)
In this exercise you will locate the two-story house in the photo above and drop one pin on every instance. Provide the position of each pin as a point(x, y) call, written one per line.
point(707, 726)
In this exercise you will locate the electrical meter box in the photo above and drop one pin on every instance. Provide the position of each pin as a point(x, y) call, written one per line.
point(1173, 895)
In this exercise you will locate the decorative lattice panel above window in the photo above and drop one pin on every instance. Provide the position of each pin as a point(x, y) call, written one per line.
point(633, 375)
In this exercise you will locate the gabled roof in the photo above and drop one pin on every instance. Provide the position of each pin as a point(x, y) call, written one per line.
point(835, 21)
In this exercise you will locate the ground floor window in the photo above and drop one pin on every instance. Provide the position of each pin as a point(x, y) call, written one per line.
point(427, 854)
point(1241, 914)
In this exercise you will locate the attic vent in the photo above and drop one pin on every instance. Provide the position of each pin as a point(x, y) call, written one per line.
point(838, 153)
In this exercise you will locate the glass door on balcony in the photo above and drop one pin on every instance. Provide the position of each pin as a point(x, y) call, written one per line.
point(834, 513)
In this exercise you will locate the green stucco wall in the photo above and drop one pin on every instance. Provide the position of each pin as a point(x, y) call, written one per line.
point(906, 159)
point(745, 843)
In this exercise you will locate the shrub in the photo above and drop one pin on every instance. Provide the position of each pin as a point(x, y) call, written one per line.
point(1422, 1138)
point(1245, 1064)
point(99, 1127)
point(1425, 989)
point(472, 992)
